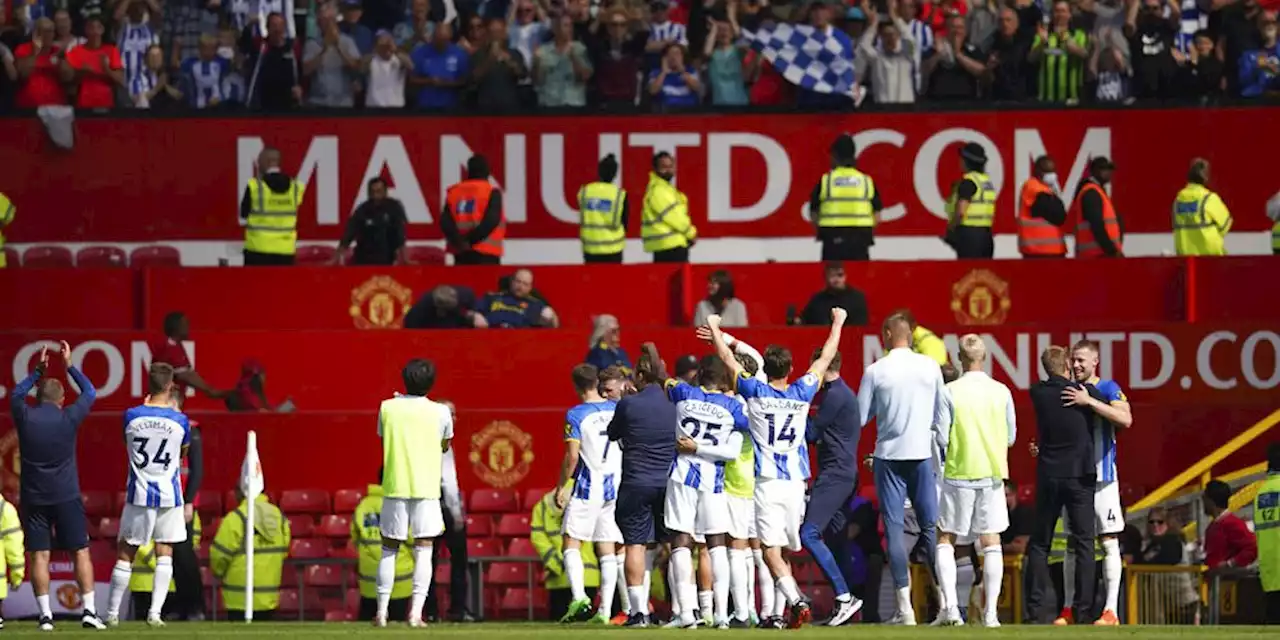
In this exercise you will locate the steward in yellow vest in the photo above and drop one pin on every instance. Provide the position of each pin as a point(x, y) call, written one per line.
point(666, 228)
point(7, 212)
point(1200, 219)
point(548, 541)
point(924, 341)
point(603, 206)
point(843, 206)
point(366, 535)
point(1266, 524)
point(143, 577)
point(971, 209)
point(1273, 212)
point(229, 565)
point(270, 211)
point(11, 538)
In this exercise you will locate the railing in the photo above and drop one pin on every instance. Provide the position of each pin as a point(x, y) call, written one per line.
point(1165, 594)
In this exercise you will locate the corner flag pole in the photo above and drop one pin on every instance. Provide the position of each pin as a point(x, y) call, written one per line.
point(251, 485)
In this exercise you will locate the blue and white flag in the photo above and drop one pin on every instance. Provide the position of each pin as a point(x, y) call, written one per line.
point(806, 57)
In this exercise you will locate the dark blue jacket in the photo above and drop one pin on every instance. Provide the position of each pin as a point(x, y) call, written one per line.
point(836, 429)
point(645, 425)
point(47, 441)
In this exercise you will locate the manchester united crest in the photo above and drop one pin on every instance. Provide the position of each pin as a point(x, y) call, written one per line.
point(501, 454)
point(380, 303)
point(980, 298)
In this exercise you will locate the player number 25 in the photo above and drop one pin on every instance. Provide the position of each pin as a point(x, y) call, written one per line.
point(708, 430)
point(160, 457)
point(786, 434)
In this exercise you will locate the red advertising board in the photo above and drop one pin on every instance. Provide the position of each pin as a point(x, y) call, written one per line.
point(135, 179)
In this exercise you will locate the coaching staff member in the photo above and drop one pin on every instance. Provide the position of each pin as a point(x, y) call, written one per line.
point(643, 424)
point(50, 484)
point(1065, 478)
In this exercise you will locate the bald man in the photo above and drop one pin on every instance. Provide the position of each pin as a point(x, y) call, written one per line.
point(269, 208)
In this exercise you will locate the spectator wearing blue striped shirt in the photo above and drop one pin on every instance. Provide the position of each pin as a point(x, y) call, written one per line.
point(350, 26)
point(675, 84)
point(203, 74)
point(151, 87)
point(662, 33)
point(136, 35)
point(26, 13)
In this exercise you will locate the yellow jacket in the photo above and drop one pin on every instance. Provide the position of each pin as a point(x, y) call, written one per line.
point(143, 577)
point(665, 223)
point(926, 342)
point(7, 211)
point(545, 524)
point(270, 547)
point(14, 548)
point(366, 534)
point(1200, 222)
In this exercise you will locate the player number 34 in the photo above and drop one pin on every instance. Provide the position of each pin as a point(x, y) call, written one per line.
point(160, 457)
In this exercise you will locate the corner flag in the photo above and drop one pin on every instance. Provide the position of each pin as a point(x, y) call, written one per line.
point(251, 485)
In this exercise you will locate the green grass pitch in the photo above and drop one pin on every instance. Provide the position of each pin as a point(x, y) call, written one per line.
point(549, 631)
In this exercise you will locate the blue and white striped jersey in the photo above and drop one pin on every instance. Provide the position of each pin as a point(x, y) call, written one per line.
point(1193, 20)
point(204, 80)
point(922, 34)
point(140, 86)
point(1104, 435)
point(599, 461)
point(779, 420)
point(133, 43)
point(155, 437)
point(710, 418)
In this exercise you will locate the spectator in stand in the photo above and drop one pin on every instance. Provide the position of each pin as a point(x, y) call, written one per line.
point(40, 73)
point(837, 293)
point(498, 70)
point(474, 37)
point(936, 12)
point(274, 83)
point(982, 21)
point(83, 10)
point(351, 27)
point(440, 69)
point(663, 32)
point(331, 61)
point(152, 89)
point(515, 308)
point(1022, 520)
point(724, 60)
point(1152, 38)
point(820, 20)
point(1228, 542)
point(8, 77)
point(445, 307)
point(1061, 52)
point(203, 75)
point(720, 301)
point(1237, 33)
point(955, 70)
point(1111, 72)
point(97, 67)
point(377, 227)
point(136, 34)
point(386, 71)
point(172, 351)
point(186, 20)
point(606, 345)
point(920, 33)
point(561, 68)
point(768, 87)
point(1260, 68)
point(675, 84)
point(63, 36)
point(250, 392)
point(891, 66)
point(1164, 544)
point(1008, 68)
point(416, 28)
point(618, 59)
point(1201, 73)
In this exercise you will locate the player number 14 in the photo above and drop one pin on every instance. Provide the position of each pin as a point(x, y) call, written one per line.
point(786, 434)
point(160, 457)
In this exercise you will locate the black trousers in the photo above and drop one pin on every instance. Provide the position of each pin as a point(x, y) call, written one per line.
point(397, 609)
point(1273, 607)
point(846, 243)
point(559, 600)
point(602, 258)
point(1053, 495)
point(678, 255)
point(455, 537)
point(973, 242)
point(475, 257)
point(188, 600)
point(255, 259)
point(869, 590)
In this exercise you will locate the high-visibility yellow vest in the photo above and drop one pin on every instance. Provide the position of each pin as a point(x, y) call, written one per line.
point(845, 199)
point(665, 223)
point(982, 208)
point(272, 226)
point(7, 212)
point(270, 547)
point(740, 473)
point(978, 448)
point(11, 537)
point(1275, 237)
point(1266, 524)
point(1058, 549)
point(1200, 222)
point(366, 534)
point(412, 446)
point(601, 230)
point(548, 541)
point(143, 577)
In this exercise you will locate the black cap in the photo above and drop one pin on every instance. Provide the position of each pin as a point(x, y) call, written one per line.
point(973, 152)
point(685, 364)
point(843, 146)
point(1101, 163)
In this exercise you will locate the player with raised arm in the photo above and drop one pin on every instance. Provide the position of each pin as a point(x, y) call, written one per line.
point(779, 414)
point(588, 493)
point(156, 435)
point(1107, 510)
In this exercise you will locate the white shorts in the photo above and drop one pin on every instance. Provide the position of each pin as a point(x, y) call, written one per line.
point(688, 510)
point(742, 518)
point(779, 512)
point(591, 521)
point(407, 519)
point(1107, 512)
point(978, 511)
point(140, 525)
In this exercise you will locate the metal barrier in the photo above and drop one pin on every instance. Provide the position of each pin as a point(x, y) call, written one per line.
point(1161, 594)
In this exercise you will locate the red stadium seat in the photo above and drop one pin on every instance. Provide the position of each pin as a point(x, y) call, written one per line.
point(155, 255)
point(101, 256)
point(530, 498)
point(301, 526)
point(517, 603)
point(308, 549)
point(514, 525)
point(12, 258)
point(289, 575)
point(315, 254)
point(425, 255)
point(807, 573)
point(288, 601)
point(325, 575)
point(351, 603)
point(314, 501)
point(479, 526)
point(103, 551)
point(493, 501)
point(334, 526)
point(97, 504)
point(347, 550)
point(510, 574)
point(345, 500)
point(109, 528)
point(47, 257)
point(209, 503)
point(1027, 494)
point(483, 548)
point(339, 616)
point(521, 548)
point(822, 597)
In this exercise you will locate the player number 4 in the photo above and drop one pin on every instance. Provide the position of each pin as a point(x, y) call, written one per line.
point(786, 434)
point(160, 457)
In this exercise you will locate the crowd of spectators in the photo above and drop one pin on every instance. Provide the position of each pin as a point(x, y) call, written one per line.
point(507, 55)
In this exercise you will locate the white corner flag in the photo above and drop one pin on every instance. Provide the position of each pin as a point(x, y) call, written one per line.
point(251, 485)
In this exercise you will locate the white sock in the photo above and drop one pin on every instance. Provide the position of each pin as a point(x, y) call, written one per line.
point(904, 601)
point(946, 559)
point(790, 590)
point(706, 603)
point(1068, 579)
point(160, 588)
point(120, 575)
point(621, 579)
point(739, 583)
point(43, 601)
point(964, 582)
point(779, 601)
point(686, 591)
point(751, 580)
point(673, 589)
point(421, 580)
point(992, 574)
point(721, 577)
point(647, 580)
point(1112, 567)
point(576, 573)
point(765, 579)
point(639, 600)
point(608, 584)
point(386, 578)
point(88, 600)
